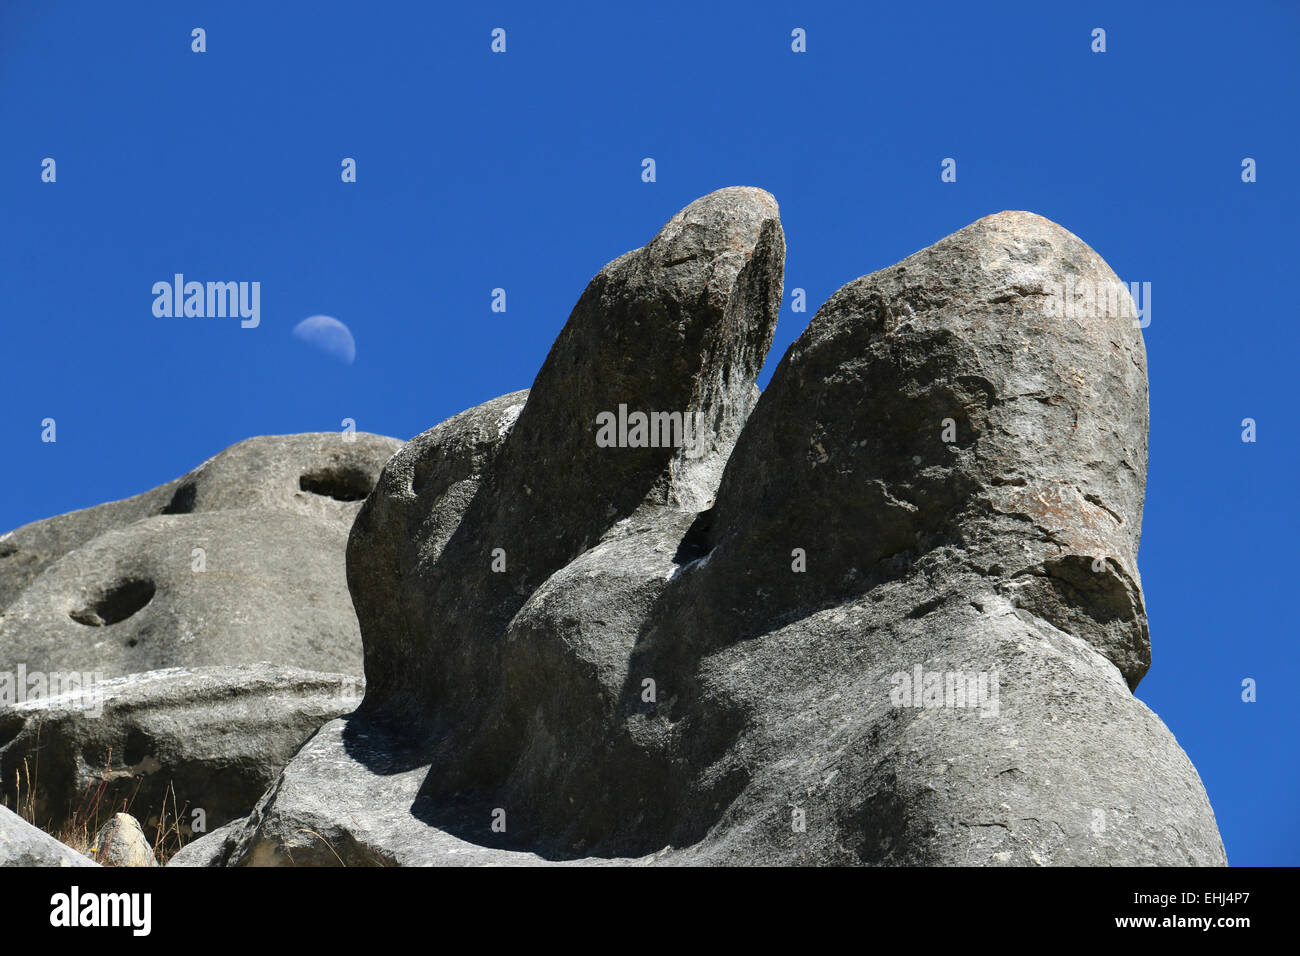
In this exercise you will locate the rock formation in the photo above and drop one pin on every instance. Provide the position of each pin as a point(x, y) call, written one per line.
point(888, 612)
point(238, 561)
point(601, 654)
point(176, 599)
point(207, 739)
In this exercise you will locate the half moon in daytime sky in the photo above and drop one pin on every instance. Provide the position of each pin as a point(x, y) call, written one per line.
point(329, 335)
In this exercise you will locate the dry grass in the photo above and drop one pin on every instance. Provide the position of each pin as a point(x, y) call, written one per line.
point(92, 812)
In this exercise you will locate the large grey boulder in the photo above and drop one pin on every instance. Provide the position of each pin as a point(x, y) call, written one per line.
point(176, 741)
point(1006, 552)
point(678, 326)
point(22, 844)
point(239, 561)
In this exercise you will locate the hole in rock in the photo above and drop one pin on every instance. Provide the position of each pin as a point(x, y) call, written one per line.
point(11, 726)
point(341, 484)
point(137, 747)
point(921, 610)
point(695, 543)
point(182, 502)
point(116, 604)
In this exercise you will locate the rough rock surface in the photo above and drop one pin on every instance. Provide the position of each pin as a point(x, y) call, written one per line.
point(209, 850)
point(210, 739)
point(239, 561)
point(121, 842)
point(347, 803)
point(637, 654)
point(22, 844)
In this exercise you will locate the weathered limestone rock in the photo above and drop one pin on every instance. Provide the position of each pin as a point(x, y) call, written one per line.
point(209, 739)
point(211, 849)
point(239, 561)
point(22, 844)
point(681, 325)
point(941, 487)
point(887, 613)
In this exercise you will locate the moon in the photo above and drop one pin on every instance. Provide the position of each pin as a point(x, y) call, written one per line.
point(329, 335)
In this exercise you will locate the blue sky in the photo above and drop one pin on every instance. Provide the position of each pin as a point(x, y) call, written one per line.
point(523, 171)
